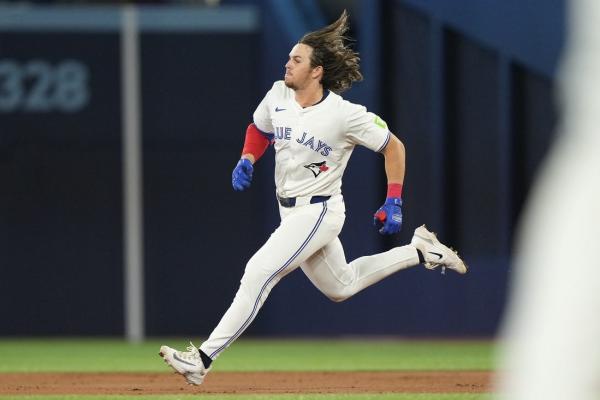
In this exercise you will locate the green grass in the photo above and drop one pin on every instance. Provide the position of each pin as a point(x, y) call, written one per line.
point(106, 355)
point(383, 396)
point(114, 355)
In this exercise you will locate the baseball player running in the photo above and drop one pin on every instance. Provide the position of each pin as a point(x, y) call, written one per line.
point(314, 131)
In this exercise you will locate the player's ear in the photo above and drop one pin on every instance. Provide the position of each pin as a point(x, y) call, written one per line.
point(317, 72)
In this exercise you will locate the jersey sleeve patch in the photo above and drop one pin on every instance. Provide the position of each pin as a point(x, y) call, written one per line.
point(366, 128)
point(380, 123)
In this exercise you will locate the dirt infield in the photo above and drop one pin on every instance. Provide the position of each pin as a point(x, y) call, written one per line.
point(247, 382)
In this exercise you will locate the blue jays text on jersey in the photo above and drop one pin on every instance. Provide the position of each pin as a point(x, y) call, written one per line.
point(285, 133)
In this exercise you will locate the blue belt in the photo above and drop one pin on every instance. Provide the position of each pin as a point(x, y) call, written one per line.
point(289, 202)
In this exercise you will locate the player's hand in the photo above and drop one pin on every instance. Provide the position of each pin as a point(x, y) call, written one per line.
point(242, 175)
point(389, 216)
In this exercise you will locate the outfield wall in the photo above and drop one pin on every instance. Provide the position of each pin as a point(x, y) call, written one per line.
point(473, 107)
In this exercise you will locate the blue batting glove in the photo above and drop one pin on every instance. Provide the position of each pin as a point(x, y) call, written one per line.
point(242, 175)
point(389, 216)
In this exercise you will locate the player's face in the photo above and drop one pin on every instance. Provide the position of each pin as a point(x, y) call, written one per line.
point(298, 72)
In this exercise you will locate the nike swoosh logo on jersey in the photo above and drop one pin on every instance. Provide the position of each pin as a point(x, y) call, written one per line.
point(436, 254)
point(183, 361)
point(277, 109)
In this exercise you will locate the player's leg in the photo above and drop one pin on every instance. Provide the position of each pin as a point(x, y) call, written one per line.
point(301, 233)
point(328, 270)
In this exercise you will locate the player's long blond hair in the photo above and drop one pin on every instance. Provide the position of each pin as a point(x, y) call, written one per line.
point(340, 63)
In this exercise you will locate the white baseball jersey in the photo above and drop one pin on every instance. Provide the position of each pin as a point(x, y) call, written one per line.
point(313, 144)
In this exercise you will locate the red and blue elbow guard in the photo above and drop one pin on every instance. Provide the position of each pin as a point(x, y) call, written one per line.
point(256, 142)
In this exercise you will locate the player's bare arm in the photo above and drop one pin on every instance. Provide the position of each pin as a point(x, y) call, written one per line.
point(389, 215)
point(395, 156)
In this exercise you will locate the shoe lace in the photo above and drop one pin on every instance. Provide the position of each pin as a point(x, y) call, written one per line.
point(192, 353)
point(433, 265)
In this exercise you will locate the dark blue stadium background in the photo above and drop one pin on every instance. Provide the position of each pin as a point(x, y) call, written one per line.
point(469, 90)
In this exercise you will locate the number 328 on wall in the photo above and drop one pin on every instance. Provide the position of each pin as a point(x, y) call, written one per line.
point(38, 86)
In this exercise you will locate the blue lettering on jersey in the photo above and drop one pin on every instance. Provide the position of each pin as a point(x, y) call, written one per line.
point(321, 147)
point(283, 132)
point(302, 139)
point(310, 142)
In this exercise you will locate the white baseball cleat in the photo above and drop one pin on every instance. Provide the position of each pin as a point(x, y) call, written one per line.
point(187, 363)
point(435, 253)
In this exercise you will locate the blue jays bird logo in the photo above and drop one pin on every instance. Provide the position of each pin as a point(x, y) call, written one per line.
point(317, 168)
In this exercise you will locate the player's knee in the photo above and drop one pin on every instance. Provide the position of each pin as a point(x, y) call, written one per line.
point(255, 273)
point(251, 274)
point(337, 299)
point(337, 296)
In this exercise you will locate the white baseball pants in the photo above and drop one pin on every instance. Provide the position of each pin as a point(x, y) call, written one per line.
point(308, 238)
